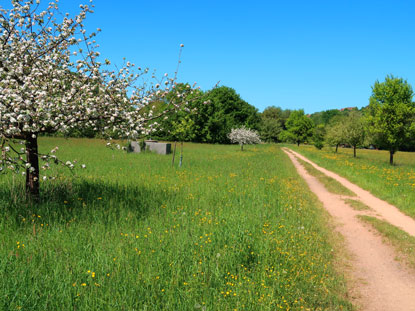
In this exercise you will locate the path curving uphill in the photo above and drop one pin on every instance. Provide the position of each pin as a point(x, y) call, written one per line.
point(381, 281)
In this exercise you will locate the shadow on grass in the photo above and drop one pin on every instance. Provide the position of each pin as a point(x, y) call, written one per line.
point(68, 201)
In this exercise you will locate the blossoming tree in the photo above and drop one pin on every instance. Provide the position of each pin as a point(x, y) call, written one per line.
point(52, 80)
point(244, 136)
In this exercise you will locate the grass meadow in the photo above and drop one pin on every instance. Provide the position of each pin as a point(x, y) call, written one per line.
point(371, 170)
point(229, 230)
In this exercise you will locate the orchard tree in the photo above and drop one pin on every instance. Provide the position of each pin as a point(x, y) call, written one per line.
point(244, 136)
point(390, 114)
point(354, 131)
point(335, 132)
point(299, 127)
point(52, 80)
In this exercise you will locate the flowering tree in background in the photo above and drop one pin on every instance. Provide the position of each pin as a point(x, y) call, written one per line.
point(53, 80)
point(244, 136)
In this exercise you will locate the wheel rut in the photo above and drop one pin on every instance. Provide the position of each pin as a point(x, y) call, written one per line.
point(382, 283)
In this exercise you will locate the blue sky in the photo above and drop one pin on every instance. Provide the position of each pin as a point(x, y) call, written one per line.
point(315, 55)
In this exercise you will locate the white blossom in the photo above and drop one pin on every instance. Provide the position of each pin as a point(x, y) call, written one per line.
point(51, 81)
point(244, 136)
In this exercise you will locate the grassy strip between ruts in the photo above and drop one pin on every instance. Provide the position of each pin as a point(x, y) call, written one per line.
point(357, 205)
point(229, 230)
point(371, 171)
point(331, 184)
point(402, 241)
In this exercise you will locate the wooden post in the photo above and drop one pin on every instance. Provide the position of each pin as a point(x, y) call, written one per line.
point(174, 153)
point(181, 155)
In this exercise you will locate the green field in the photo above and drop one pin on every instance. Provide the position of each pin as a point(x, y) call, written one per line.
point(371, 171)
point(230, 230)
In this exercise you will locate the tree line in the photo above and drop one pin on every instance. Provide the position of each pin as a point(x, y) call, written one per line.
point(388, 122)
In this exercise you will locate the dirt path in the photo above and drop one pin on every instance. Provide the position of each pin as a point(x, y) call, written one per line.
point(386, 211)
point(381, 281)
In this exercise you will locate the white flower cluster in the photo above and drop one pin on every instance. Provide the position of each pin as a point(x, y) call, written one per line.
point(244, 136)
point(52, 80)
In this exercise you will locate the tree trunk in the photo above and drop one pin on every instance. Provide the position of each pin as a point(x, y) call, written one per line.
point(354, 151)
point(337, 147)
point(391, 152)
point(242, 147)
point(298, 144)
point(32, 172)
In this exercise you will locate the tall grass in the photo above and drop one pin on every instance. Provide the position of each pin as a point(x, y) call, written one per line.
point(230, 230)
point(371, 171)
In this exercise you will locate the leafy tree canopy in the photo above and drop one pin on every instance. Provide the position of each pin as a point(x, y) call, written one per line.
point(353, 130)
point(299, 127)
point(335, 131)
point(390, 114)
point(273, 123)
point(214, 114)
point(276, 113)
point(271, 129)
point(318, 136)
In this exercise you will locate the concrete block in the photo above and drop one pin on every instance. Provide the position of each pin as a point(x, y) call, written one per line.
point(153, 146)
point(135, 147)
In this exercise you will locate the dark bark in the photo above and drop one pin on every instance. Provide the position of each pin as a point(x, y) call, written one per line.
point(242, 147)
point(298, 144)
point(337, 147)
point(32, 175)
point(354, 151)
point(391, 152)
